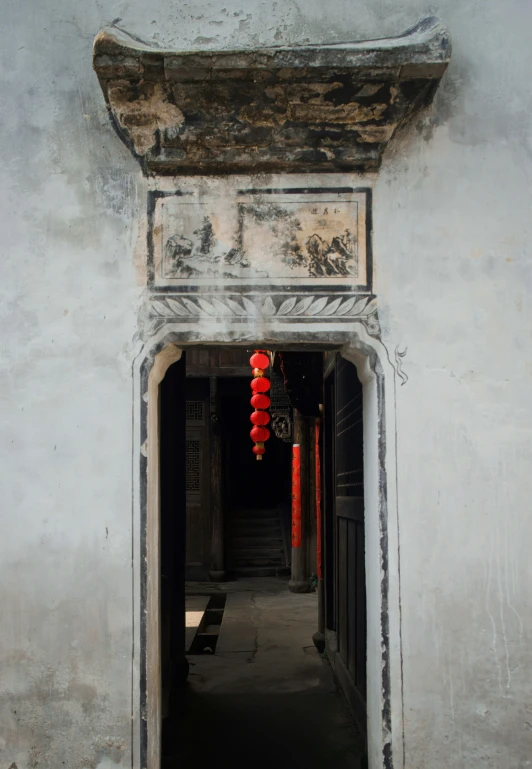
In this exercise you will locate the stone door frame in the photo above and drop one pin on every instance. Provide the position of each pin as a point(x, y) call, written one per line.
point(379, 378)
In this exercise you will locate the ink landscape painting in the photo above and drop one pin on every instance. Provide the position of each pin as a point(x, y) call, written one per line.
point(268, 239)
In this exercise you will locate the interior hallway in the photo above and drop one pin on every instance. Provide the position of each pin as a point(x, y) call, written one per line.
point(265, 698)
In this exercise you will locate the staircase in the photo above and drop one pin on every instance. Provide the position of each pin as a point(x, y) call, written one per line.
point(257, 544)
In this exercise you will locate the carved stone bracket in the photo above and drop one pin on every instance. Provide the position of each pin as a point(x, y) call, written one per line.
point(282, 109)
point(280, 408)
point(282, 426)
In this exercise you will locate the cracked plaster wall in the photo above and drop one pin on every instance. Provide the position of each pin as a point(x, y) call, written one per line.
point(452, 273)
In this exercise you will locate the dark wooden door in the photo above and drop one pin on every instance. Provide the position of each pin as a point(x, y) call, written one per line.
point(344, 497)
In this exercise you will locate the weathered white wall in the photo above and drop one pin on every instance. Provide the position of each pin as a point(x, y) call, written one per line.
point(453, 261)
point(452, 227)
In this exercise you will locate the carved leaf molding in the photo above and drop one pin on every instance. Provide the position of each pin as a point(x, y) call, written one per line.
point(363, 308)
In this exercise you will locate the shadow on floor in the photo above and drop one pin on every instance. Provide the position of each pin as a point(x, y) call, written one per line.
point(266, 730)
point(265, 699)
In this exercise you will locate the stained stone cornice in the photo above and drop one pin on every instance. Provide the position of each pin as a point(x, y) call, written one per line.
point(308, 108)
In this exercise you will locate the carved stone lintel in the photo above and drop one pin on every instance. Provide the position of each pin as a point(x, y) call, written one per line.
point(260, 308)
point(304, 108)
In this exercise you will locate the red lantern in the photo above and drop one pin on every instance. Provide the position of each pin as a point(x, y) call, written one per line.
point(260, 401)
point(260, 384)
point(259, 360)
point(260, 417)
point(259, 434)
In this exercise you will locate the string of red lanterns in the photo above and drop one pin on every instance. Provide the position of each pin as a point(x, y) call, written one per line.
point(260, 385)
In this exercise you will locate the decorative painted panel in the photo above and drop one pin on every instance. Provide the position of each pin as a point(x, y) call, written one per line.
point(226, 251)
point(264, 238)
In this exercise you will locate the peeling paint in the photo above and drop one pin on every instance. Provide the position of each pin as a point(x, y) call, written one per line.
point(270, 108)
point(143, 112)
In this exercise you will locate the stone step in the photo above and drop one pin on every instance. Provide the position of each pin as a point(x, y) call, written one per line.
point(256, 514)
point(258, 524)
point(260, 571)
point(238, 563)
point(257, 542)
point(252, 536)
point(257, 529)
point(257, 552)
point(269, 542)
point(256, 518)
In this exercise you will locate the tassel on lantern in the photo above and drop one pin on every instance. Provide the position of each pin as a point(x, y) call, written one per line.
point(259, 418)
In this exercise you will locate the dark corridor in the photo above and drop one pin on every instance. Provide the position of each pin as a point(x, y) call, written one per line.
point(257, 692)
point(256, 495)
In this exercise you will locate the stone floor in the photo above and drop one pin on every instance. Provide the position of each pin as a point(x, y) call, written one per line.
point(265, 698)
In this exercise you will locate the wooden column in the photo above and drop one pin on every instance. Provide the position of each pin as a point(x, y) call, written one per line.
point(312, 561)
point(299, 578)
point(217, 571)
point(319, 636)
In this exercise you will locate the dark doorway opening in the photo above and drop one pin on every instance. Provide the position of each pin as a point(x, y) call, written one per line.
point(248, 481)
point(238, 509)
point(256, 495)
point(248, 640)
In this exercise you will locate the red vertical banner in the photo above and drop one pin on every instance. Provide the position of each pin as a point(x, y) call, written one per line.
point(296, 495)
point(318, 499)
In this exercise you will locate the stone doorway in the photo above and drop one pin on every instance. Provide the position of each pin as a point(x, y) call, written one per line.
point(371, 372)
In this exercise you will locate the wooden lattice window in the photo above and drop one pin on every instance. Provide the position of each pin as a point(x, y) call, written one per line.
point(192, 466)
point(195, 412)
